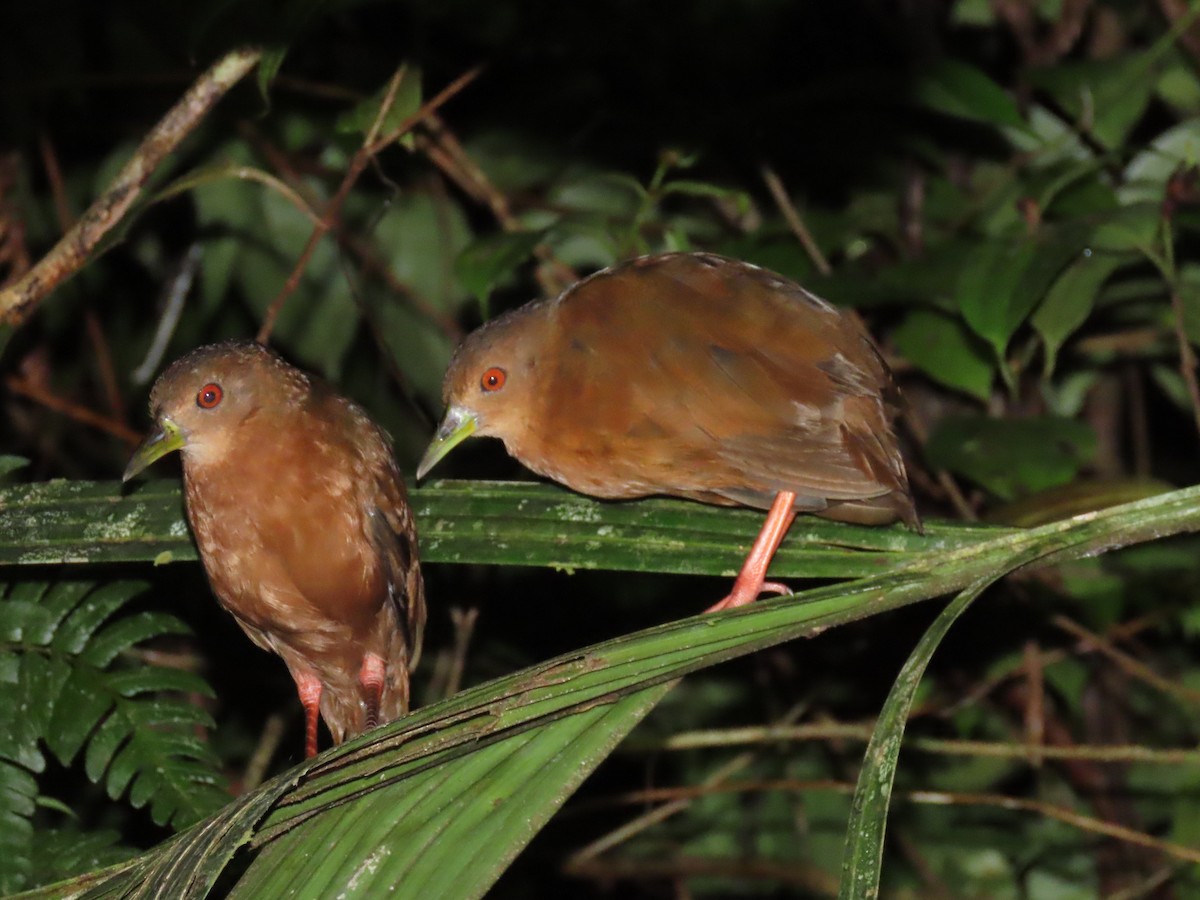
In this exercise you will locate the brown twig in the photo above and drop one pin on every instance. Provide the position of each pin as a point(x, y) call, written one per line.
point(990, 684)
point(1035, 704)
point(380, 268)
point(580, 858)
point(1187, 357)
point(464, 627)
point(1109, 754)
point(446, 152)
point(14, 255)
point(790, 214)
point(916, 427)
point(66, 218)
point(1132, 667)
point(72, 410)
point(264, 751)
point(54, 176)
point(1063, 35)
point(67, 256)
point(104, 365)
point(1182, 14)
point(932, 798)
point(371, 146)
point(808, 879)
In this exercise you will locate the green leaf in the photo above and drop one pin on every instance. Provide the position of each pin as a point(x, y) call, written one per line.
point(1012, 457)
point(18, 792)
point(987, 290)
point(405, 104)
point(268, 67)
point(342, 815)
point(60, 853)
point(10, 463)
point(120, 636)
point(1146, 175)
point(1003, 281)
point(958, 89)
point(1130, 227)
point(947, 352)
point(483, 810)
point(421, 236)
point(500, 523)
point(862, 856)
point(703, 189)
point(1069, 302)
point(1049, 141)
point(78, 628)
point(1189, 299)
point(318, 321)
point(1105, 97)
point(75, 687)
point(491, 260)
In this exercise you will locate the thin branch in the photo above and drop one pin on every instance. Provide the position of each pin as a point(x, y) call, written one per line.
point(1187, 357)
point(843, 731)
point(371, 146)
point(464, 627)
point(446, 152)
point(72, 410)
point(579, 859)
point(95, 333)
point(932, 798)
point(790, 214)
point(1130, 666)
point(1182, 17)
point(268, 745)
point(176, 292)
point(916, 426)
point(71, 252)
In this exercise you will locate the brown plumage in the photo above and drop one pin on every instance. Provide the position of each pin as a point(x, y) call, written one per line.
point(692, 375)
point(303, 526)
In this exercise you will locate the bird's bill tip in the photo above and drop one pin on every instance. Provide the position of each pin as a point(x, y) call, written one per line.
point(166, 438)
point(456, 427)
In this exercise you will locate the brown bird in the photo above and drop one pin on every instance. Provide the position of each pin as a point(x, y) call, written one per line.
point(691, 375)
point(303, 526)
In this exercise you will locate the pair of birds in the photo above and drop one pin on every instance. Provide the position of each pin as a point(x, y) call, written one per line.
point(685, 374)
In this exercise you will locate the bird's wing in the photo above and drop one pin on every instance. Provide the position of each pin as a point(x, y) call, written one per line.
point(395, 537)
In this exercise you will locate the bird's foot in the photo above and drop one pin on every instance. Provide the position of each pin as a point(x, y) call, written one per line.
point(745, 593)
point(309, 689)
point(751, 581)
point(371, 677)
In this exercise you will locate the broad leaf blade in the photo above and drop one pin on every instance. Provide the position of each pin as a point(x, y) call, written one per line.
point(445, 734)
point(450, 830)
point(862, 855)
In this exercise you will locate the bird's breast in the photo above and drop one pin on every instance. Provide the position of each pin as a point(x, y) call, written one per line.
point(284, 536)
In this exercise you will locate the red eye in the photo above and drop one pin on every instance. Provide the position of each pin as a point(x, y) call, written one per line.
point(493, 379)
point(210, 395)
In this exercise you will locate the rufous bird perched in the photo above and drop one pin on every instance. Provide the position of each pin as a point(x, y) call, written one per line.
point(303, 526)
point(691, 375)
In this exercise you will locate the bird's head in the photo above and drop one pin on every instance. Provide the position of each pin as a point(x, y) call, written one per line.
point(202, 398)
point(491, 386)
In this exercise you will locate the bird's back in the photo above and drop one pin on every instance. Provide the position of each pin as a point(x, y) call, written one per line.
point(703, 377)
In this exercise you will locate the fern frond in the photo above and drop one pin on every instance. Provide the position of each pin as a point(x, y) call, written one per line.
point(68, 683)
point(61, 853)
point(18, 798)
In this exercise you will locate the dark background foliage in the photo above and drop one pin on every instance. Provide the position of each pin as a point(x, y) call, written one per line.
point(1005, 190)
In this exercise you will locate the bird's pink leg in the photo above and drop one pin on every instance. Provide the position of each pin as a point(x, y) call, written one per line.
point(371, 676)
point(308, 686)
point(751, 581)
